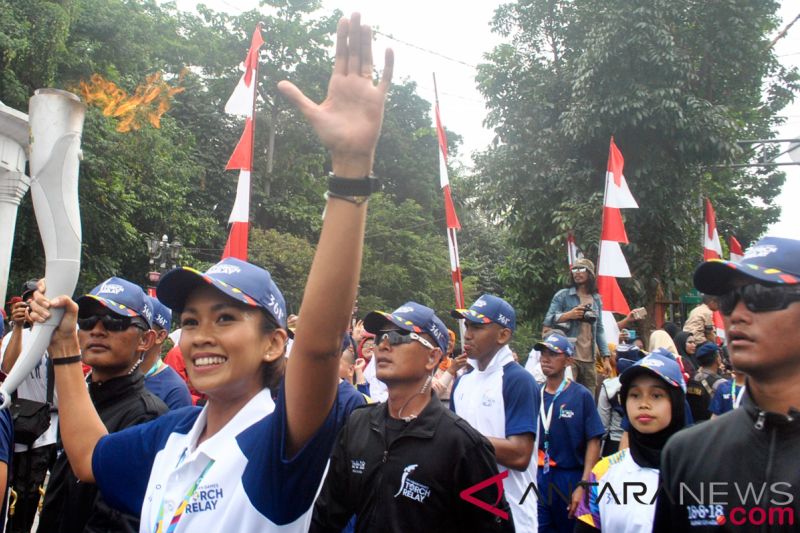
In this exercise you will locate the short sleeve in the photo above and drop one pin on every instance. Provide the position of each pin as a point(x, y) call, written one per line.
point(717, 402)
point(453, 394)
point(122, 461)
point(588, 511)
point(6, 436)
point(593, 426)
point(283, 488)
point(521, 399)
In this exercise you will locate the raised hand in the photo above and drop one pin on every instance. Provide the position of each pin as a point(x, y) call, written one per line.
point(348, 121)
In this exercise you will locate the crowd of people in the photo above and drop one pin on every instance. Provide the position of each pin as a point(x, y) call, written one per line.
point(259, 421)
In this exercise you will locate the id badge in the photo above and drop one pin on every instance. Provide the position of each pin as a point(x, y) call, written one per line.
point(546, 465)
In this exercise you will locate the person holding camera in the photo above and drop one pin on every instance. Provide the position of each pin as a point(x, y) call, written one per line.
point(576, 310)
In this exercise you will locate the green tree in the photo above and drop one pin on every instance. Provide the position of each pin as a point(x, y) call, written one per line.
point(675, 82)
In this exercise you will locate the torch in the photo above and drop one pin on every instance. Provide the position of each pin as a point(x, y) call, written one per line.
point(56, 123)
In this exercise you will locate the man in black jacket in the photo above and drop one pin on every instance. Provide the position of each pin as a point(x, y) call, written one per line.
point(741, 471)
point(114, 333)
point(402, 465)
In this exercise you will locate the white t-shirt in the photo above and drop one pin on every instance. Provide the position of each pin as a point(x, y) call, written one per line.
point(242, 481)
point(377, 388)
point(34, 387)
point(500, 401)
point(614, 504)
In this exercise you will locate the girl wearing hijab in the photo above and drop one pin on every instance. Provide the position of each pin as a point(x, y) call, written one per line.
point(653, 393)
point(687, 346)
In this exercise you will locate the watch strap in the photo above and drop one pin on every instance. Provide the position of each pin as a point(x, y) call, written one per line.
point(353, 187)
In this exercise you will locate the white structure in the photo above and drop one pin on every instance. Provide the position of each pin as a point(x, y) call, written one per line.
point(14, 183)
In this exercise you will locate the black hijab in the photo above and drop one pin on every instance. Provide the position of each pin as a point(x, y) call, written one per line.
point(680, 344)
point(646, 447)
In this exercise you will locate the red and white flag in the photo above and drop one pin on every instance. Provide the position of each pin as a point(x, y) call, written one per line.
point(737, 254)
point(573, 252)
point(242, 102)
point(612, 263)
point(712, 249)
point(451, 218)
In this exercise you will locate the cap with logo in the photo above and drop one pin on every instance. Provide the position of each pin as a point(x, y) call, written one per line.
point(121, 297)
point(488, 309)
point(659, 363)
point(411, 316)
point(772, 260)
point(556, 342)
point(242, 281)
point(162, 316)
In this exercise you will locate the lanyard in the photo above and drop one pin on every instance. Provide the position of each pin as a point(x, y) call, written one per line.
point(546, 419)
point(736, 398)
point(159, 364)
point(182, 507)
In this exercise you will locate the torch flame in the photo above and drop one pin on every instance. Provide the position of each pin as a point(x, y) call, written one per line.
point(149, 101)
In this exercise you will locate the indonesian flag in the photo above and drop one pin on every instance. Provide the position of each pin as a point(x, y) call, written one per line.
point(737, 254)
point(712, 249)
point(241, 102)
point(451, 218)
point(612, 263)
point(573, 252)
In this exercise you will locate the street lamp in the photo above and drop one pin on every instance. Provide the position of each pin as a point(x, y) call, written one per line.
point(162, 253)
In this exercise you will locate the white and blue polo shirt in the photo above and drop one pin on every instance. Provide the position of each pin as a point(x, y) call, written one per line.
point(245, 481)
point(500, 401)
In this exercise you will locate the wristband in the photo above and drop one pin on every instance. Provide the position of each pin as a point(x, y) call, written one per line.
point(353, 187)
point(66, 360)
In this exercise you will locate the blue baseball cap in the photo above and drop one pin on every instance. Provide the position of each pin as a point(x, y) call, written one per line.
point(771, 260)
point(556, 342)
point(410, 316)
point(121, 297)
point(658, 364)
point(162, 316)
point(487, 309)
point(706, 353)
point(629, 351)
point(242, 281)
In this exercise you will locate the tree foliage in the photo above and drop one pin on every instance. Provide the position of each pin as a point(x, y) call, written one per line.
point(172, 180)
point(676, 82)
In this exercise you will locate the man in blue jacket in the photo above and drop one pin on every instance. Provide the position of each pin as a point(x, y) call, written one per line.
point(577, 311)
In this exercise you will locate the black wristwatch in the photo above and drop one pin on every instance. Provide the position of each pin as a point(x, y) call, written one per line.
point(353, 190)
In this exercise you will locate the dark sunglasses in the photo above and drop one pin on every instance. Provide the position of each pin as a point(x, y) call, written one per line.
point(110, 323)
point(759, 298)
point(395, 337)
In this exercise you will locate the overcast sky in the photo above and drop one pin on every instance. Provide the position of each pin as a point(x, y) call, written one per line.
point(459, 31)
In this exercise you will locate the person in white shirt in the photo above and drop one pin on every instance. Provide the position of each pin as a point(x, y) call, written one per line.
point(245, 462)
point(501, 400)
point(653, 392)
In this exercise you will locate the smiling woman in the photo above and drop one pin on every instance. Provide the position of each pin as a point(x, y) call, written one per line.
point(251, 463)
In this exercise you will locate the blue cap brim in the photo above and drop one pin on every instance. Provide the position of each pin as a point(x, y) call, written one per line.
point(716, 276)
point(111, 305)
point(467, 314)
point(375, 321)
point(539, 346)
point(177, 284)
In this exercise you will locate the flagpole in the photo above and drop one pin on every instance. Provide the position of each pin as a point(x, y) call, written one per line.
point(253, 128)
point(605, 197)
point(452, 242)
